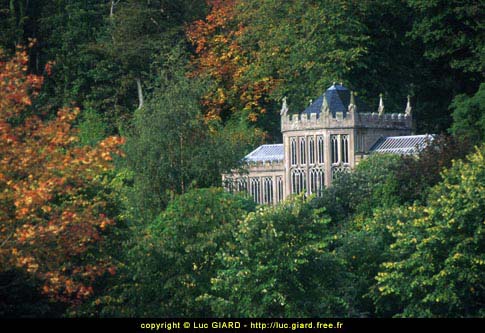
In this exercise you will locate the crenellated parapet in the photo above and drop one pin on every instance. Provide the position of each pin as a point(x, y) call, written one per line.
point(296, 122)
point(384, 120)
point(349, 118)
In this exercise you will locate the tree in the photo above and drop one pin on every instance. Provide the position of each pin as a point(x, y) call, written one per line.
point(140, 31)
point(279, 266)
point(418, 174)
point(259, 51)
point(170, 148)
point(53, 213)
point(92, 127)
point(364, 244)
point(469, 116)
point(311, 45)
point(373, 184)
point(449, 33)
point(452, 30)
point(438, 264)
point(105, 52)
point(172, 261)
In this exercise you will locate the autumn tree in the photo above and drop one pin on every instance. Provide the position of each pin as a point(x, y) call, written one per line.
point(258, 51)
point(53, 213)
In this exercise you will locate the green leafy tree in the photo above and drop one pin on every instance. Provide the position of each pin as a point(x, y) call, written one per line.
point(170, 263)
point(469, 116)
point(281, 265)
point(363, 203)
point(14, 20)
point(139, 32)
point(453, 30)
point(364, 244)
point(371, 185)
point(438, 264)
point(105, 53)
point(92, 127)
point(170, 148)
point(450, 35)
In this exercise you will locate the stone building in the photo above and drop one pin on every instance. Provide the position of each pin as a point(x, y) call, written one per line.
point(325, 140)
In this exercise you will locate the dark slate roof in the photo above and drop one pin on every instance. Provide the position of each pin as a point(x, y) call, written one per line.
point(270, 153)
point(403, 145)
point(338, 99)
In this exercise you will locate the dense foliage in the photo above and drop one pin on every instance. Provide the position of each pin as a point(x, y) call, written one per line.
point(276, 266)
point(117, 118)
point(172, 263)
point(54, 213)
point(170, 148)
point(437, 262)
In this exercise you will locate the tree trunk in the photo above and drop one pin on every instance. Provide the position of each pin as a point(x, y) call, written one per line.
point(112, 8)
point(182, 173)
point(140, 93)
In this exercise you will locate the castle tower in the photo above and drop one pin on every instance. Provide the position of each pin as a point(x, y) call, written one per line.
point(331, 136)
point(321, 143)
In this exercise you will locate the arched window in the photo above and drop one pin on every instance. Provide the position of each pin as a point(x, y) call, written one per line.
point(229, 185)
point(302, 151)
point(334, 150)
point(320, 150)
point(345, 148)
point(279, 186)
point(339, 171)
point(298, 181)
point(255, 189)
point(311, 150)
point(317, 180)
point(313, 181)
point(293, 150)
point(268, 190)
point(242, 185)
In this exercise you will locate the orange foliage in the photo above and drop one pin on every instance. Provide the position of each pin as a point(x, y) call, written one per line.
point(50, 212)
point(221, 57)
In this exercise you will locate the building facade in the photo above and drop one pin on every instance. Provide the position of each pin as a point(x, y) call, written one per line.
point(321, 143)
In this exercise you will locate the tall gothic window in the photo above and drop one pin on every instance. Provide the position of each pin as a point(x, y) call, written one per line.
point(317, 180)
point(313, 181)
point(267, 190)
point(302, 151)
point(293, 150)
point(338, 171)
point(345, 148)
point(334, 150)
point(298, 181)
point(320, 181)
point(255, 189)
point(229, 185)
point(311, 150)
point(279, 186)
point(320, 150)
point(242, 185)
